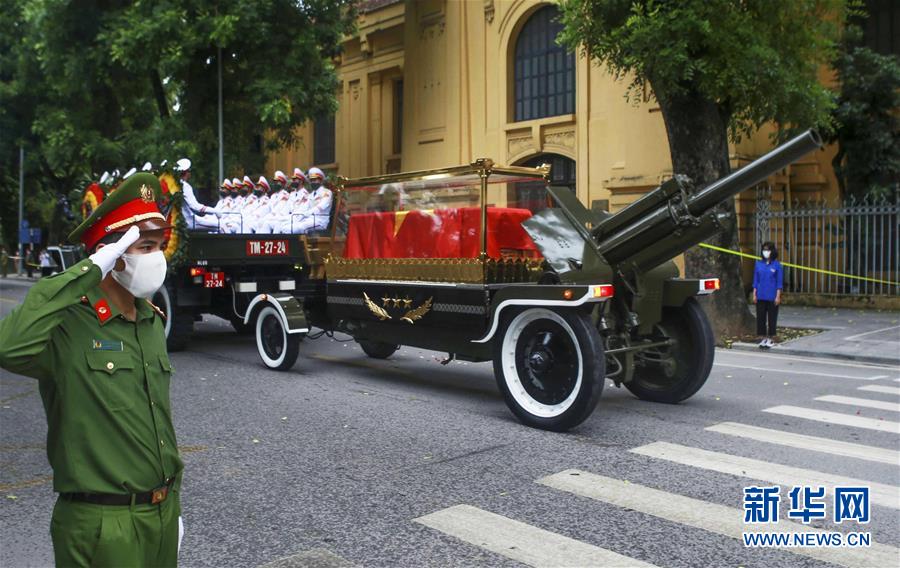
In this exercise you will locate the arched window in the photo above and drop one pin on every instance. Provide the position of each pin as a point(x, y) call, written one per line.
point(544, 71)
point(532, 195)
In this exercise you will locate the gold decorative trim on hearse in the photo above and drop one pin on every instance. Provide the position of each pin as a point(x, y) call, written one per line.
point(456, 270)
point(411, 316)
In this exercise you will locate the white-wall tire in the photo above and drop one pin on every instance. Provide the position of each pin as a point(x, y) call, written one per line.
point(549, 365)
point(277, 348)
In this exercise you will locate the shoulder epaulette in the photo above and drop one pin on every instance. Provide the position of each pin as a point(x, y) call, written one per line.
point(156, 309)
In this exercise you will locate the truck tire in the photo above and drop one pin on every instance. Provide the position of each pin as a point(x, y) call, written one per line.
point(550, 367)
point(677, 373)
point(277, 348)
point(179, 323)
point(377, 349)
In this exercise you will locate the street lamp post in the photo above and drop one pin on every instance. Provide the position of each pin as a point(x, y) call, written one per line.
point(221, 136)
point(21, 206)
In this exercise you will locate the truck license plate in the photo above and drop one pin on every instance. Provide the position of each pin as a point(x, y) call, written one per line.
point(267, 248)
point(214, 280)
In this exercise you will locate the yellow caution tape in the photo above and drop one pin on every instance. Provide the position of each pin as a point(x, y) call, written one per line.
point(798, 267)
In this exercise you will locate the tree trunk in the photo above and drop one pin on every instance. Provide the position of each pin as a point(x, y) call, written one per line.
point(159, 93)
point(698, 142)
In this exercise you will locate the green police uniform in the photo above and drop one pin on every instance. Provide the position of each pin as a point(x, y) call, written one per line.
point(104, 382)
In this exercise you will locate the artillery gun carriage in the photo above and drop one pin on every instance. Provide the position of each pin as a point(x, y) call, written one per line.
point(558, 297)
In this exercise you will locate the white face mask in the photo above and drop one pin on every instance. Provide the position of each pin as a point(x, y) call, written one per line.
point(767, 254)
point(143, 273)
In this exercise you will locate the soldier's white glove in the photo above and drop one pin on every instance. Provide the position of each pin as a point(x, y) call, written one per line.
point(105, 258)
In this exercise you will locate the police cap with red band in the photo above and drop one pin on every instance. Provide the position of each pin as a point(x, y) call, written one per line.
point(133, 202)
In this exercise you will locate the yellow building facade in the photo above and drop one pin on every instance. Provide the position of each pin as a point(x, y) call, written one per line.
point(433, 83)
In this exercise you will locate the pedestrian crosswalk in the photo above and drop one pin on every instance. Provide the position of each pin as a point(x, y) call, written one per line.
point(520, 541)
point(836, 418)
point(881, 388)
point(886, 495)
point(804, 442)
point(863, 402)
point(536, 546)
point(712, 517)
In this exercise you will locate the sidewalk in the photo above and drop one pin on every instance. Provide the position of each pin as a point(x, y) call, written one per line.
point(870, 336)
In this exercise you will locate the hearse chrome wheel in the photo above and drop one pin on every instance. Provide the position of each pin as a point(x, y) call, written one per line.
point(549, 366)
point(277, 348)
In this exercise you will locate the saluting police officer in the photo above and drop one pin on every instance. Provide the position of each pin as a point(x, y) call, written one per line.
point(96, 345)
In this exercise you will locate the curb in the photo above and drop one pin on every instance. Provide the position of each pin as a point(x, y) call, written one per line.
point(891, 361)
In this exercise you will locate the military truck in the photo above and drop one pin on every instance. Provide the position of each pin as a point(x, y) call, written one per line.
point(221, 275)
point(558, 297)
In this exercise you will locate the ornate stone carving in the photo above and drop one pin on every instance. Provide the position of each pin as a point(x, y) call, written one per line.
point(519, 144)
point(489, 11)
point(565, 139)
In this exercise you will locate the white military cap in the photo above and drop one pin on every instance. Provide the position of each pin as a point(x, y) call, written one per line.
point(104, 177)
point(248, 182)
point(183, 165)
point(226, 183)
point(279, 175)
point(298, 173)
point(236, 182)
point(263, 182)
point(147, 167)
point(316, 173)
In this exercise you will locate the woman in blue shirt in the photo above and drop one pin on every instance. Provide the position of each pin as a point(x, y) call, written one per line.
point(768, 280)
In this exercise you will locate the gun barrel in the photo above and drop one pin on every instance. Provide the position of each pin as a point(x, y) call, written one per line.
point(672, 218)
point(754, 172)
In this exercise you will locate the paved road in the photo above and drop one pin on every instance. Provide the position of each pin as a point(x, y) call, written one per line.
point(350, 461)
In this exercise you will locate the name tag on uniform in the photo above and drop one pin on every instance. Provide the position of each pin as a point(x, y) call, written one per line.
point(107, 345)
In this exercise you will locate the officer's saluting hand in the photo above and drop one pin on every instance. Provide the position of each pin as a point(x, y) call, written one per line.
point(97, 347)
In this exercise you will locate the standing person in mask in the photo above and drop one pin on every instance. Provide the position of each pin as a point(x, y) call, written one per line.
point(97, 347)
point(768, 280)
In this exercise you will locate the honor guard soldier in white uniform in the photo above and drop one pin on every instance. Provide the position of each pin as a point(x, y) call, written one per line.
point(279, 205)
point(249, 205)
point(318, 211)
point(225, 202)
point(298, 202)
point(263, 205)
point(196, 215)
point(230, 212)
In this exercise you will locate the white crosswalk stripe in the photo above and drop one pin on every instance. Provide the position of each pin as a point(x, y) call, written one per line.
point(792, 371)
point(712, 517)
point(836, 418)
point(804, 442)
point(880, 388)
point(520, 541)
point(863, 402)
point(881, 494)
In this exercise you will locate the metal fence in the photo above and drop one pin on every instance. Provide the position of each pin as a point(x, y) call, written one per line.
point(857, 238)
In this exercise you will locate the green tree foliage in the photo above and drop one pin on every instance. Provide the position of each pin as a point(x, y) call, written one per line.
point(97, 85)
point(717, 68)
point(867, 125)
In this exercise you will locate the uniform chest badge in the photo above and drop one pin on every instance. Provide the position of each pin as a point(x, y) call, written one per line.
point(107, 345)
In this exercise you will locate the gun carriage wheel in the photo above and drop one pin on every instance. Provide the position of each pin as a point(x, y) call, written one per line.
point(378, 349)
point(277, 348)
point(676, 372)
point(549, 365)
